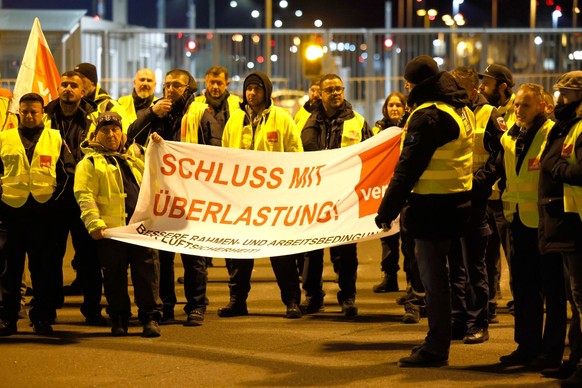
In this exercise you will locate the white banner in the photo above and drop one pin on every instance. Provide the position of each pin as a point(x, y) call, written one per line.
point(222, 202)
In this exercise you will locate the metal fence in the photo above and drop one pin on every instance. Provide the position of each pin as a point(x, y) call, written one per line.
point(370, 61)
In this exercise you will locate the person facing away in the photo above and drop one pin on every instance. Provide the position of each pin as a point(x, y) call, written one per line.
point(433, 180)
point(261, 126)
point(106, 187)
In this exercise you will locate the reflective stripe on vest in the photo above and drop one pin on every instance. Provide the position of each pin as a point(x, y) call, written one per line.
point(480, 154)
point(521, 192)
point(21, 178)
point(572, 194)
point(450, 169)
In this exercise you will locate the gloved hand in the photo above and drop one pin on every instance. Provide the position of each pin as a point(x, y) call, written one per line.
point(382, 223)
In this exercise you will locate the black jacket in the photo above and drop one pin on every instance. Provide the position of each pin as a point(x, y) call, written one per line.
point(430, 216)
point(168, 127)
point(76, 131)
point(322, 133)
point(559, 231)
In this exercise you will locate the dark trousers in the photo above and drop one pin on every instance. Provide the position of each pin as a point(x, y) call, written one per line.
point(390, 255)
point(536, 278)
point(345, 257)
point(573, 277)
point(500, 238)
point(85, 260)
point(115, 258)
point(29, 230)
point(195, 281)
point(411, 266)
point(432, 256)
point(285, 269)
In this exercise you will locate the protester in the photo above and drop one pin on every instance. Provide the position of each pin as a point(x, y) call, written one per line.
point(437, 137)
point(35, 166)
point(537, 277)
point(142, 96)
point(332, 124)
point(260, 126)
point(106, 187)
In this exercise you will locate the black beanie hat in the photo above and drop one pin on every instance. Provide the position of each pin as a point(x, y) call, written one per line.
point(420, 69)
point(88, 70)
point(253, 78)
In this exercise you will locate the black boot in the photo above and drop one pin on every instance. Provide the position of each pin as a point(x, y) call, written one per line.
point(388, 284)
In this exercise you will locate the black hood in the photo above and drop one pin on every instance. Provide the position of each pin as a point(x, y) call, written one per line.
point(442, 87)
point(266, 85)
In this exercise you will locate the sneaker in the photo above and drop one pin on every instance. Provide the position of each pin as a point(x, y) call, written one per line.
point(42, 327)
point(388, 284)
point(232, 310)
point(311, 305)
point(96, 320)
point(151, 330)
point(349, 308)
point(118, 327)
point(476, 335)
point(411, 313)
point(517, 357)
point(7, 328)
point(195, 317)
point(423, 359)
point(293, 311)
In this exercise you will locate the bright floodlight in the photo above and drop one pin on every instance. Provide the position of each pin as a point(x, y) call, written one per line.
point(283, 4)
point(278, 23)
point(299, 13)
point(233, 4)
point(318, 23)
point(314, 52)
point(255, 14)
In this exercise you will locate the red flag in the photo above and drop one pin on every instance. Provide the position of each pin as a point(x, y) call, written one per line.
point(38, 72)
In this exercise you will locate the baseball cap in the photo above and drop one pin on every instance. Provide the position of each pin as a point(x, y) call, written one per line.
point(498, 72)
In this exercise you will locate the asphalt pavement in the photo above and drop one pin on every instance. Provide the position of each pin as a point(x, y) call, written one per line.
point(262, 349)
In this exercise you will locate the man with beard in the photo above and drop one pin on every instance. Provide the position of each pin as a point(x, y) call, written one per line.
point(305, 111)
point(221, 104)
point(496, 85)
point(260, 126)
point(432, 181)
point(560, 194)
point(142, 96)
point(332, 124)
point(178, 117)
point(74, 116)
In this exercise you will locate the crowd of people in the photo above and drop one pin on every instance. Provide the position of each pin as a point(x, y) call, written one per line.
point(482, 168)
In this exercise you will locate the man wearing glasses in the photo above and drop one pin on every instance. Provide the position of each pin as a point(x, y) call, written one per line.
point(168, 117)
point(332, 124)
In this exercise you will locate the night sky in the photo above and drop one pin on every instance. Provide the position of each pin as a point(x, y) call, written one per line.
point(334, 13)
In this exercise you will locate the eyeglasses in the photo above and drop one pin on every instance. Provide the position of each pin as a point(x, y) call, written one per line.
point(175, 85)
point(333, 89)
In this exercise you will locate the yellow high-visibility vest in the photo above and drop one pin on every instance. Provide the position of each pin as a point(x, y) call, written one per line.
point(21, 178)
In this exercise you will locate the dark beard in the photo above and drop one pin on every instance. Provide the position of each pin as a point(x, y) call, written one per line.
point(494, 98)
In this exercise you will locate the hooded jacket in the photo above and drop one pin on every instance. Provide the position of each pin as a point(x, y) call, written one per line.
point(272, 129)
point(427, 215)
point(559, 231)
